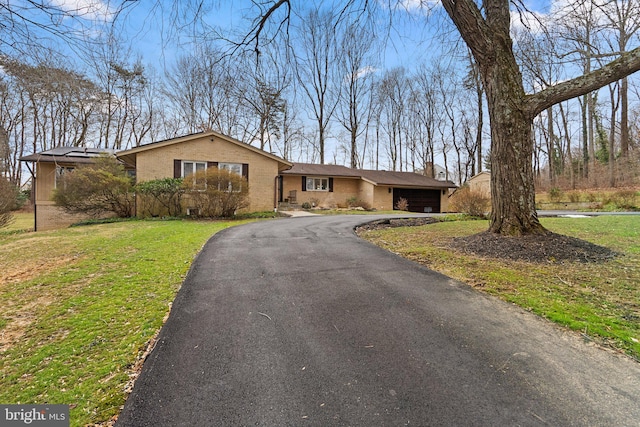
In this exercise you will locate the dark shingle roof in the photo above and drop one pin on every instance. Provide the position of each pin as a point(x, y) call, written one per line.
point(393, 178)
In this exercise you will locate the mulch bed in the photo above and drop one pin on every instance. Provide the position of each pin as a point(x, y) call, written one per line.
point(540, 248)
point(399, 222)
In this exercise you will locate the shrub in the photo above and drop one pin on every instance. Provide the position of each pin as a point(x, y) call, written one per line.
point(555, 194)
point(402, 204)
point(624, 199)
point(216, 193)
point(354, 203)
point(8, 201)
point(306, 205)
point(471, 202)
point(95, 189)
point(574, 197)
point(593, 197)
point(161, 196)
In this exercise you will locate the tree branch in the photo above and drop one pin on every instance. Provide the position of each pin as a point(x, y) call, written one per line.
point(627, 64)
point(472, 27)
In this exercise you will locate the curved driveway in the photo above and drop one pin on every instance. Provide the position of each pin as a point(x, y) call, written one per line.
point(298, 322)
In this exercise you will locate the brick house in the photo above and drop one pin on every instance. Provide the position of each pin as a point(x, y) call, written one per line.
point(334, 186)
point(179, 157)
point(272, 180)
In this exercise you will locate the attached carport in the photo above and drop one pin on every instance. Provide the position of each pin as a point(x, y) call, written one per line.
point(418, 199)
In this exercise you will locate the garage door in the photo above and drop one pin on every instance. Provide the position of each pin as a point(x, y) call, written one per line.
point(419, 200)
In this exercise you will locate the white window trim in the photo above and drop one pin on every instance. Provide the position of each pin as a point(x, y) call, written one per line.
point(195, 163)
point(233, 167)
point(230, 166)
point(317, 178)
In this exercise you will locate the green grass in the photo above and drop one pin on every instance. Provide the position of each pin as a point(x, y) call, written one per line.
point(80, 306)
point(22, 221)
point(601, 300)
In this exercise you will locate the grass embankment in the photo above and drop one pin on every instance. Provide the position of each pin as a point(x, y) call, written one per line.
point(80, 305)
point(601, 300)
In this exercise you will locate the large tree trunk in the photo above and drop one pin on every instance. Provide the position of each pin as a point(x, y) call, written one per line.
point(512, 190)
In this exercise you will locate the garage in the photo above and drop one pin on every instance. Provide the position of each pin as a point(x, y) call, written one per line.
point(419, 200)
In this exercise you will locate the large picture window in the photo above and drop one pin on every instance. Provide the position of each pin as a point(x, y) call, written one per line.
point(317, 184)
point(231, 167)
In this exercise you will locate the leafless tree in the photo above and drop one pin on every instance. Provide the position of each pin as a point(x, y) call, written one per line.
point(356, 69)
point(623, 24)
point(266, 79)
point(316, 69)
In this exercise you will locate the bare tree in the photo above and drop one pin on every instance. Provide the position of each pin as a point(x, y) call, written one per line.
point(316, 69)
point(392, 95)
point(356, 68)
point(265, 81)
point(32, 27)
point(623, 20)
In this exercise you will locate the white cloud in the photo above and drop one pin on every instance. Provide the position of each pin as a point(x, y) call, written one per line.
point(532, 22)
point(362, 72)
point(95, 10)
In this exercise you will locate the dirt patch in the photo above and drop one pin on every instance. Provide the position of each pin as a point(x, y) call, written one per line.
point(26, 271)
point(19, 320)
point(544, 248)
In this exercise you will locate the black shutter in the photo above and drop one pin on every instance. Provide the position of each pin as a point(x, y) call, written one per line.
point(245, 171)
point(304, 183)
point(177, 168)
point(331, 185)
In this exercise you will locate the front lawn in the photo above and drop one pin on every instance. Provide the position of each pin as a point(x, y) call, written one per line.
point(600, 300)
point(81, 305)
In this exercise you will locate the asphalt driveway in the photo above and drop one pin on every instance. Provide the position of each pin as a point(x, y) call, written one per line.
point(299, 322)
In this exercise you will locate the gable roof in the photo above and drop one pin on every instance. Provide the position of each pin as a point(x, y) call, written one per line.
point(181, 139)
point(392, 178)
point(68, 155)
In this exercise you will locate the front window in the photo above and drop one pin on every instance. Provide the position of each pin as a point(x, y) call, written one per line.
point(231, 167)
point(317, 184)
point(189, 168)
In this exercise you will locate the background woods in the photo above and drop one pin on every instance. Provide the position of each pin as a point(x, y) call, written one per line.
point(326, 87)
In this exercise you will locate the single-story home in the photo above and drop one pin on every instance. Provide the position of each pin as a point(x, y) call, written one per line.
point(272, 180)
point(334, 185)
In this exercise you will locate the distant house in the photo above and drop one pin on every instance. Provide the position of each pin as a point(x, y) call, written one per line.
point(272, 180)
point(333, 185)
point(480, 182)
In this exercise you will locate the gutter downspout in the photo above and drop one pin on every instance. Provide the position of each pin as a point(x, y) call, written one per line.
point(275, 193)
